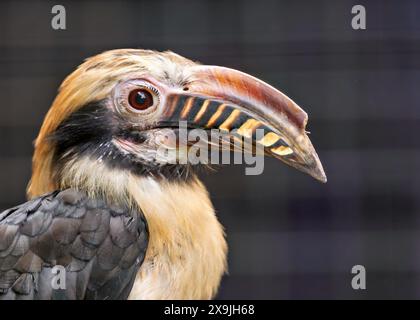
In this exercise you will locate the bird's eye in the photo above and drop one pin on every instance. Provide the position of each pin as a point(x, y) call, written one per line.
point(140, 99)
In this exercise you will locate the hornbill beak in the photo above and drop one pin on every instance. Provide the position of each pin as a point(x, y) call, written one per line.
point(238, 104)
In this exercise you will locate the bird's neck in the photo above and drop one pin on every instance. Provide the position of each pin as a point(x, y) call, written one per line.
point(186, 255)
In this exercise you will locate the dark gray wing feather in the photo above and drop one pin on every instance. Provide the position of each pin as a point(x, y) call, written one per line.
point(100, 248)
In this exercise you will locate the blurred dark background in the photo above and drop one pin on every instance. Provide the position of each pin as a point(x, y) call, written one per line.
point(289, 236)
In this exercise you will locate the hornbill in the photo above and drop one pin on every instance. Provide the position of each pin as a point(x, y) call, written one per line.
point(120, 220)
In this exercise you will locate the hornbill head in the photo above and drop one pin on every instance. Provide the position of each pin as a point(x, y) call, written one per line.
point(117, 107)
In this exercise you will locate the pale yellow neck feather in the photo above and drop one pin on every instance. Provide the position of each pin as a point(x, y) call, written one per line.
point(186, 256)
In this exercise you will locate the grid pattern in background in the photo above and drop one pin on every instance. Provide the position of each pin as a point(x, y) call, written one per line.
point(289, 236)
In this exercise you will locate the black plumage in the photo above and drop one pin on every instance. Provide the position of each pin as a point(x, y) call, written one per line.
point(89, 132)
point(100, 246)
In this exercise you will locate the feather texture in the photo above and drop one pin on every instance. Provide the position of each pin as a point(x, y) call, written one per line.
point(101, 248)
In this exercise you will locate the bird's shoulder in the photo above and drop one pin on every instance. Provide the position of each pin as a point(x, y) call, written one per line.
point(99, 248)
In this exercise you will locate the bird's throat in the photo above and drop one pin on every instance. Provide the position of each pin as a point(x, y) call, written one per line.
point(186, 257)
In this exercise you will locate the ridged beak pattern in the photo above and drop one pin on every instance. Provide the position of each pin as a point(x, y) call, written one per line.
point(232, 101)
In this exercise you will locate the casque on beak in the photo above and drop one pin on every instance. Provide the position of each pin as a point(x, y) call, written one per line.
point(232, 101)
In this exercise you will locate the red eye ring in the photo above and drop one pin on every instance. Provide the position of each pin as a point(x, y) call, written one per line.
point(140, 99)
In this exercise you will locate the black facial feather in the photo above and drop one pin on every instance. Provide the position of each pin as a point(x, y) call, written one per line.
point(89, 132)
point(84, 131)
